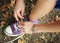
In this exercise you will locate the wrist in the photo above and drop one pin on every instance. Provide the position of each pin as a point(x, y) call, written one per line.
point(35, 29)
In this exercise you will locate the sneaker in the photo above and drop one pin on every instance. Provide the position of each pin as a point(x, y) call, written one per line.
point(13, 30)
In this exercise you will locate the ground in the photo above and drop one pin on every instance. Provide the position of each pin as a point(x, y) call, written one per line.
point(6, 18)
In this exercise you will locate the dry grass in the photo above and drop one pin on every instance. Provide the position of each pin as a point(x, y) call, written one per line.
point(6, 18)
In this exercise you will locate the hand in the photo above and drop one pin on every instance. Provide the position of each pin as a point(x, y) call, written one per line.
point(26, 27)
point(19, 9)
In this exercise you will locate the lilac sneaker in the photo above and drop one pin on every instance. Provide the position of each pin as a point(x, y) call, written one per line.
point(13, 30)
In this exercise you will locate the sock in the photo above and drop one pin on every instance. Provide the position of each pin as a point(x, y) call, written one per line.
point(35, 21)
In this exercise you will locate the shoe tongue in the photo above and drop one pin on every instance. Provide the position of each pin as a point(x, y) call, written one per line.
point(12, 27)
point(18, 31)
point(15, 31)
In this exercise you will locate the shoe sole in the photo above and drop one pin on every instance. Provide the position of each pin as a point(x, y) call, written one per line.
point(13, 35)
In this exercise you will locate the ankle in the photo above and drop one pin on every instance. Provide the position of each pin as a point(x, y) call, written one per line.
point(32, 19)
point(35, 21)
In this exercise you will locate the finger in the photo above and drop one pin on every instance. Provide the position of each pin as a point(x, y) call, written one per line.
point(19, 15)
point(16, 17)
point(21, 27)
point(23, 12)
point(25, 23)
